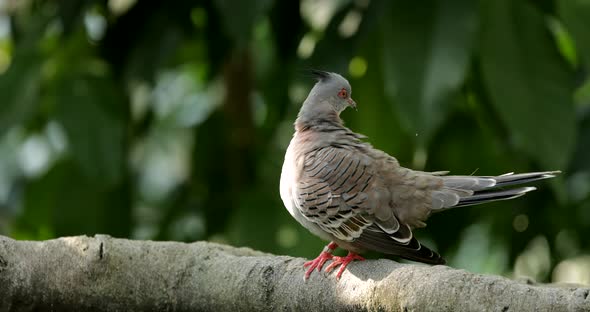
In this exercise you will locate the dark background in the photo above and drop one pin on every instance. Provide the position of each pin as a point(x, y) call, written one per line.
point(168, 120)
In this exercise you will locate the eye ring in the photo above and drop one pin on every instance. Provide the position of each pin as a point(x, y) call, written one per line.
point(343, 93)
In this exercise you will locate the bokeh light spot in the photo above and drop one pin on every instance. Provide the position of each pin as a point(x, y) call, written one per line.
point(520, 223)
point(287, 237)
point(306, 46)
point(118, 7)
point(575, 270)
point(535, 260)
point(357, 67)
point(199, 17)
point(350, 24)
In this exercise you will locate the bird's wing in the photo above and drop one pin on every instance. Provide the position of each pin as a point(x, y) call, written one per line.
point(342, 190)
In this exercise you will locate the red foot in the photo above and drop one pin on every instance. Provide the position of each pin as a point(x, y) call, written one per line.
point(319, 262)
point(343, 262)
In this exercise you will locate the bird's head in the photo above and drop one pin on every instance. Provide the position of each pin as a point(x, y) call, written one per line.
point(330, 90)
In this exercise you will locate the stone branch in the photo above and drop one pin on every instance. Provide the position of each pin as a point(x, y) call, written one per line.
point(108, 274)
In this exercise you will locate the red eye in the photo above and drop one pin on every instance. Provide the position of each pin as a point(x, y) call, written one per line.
point(343, 94)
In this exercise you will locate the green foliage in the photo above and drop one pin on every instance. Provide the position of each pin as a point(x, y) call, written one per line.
point(575, 15)
point(20, 87)
point(527, 78)
point(152, 121)
point(425, 67)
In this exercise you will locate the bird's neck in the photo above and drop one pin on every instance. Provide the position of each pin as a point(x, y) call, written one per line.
point(317, 119)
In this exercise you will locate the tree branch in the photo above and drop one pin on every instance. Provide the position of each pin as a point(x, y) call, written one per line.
point(106, 274)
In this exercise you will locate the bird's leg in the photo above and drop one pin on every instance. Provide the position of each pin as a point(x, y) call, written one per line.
point(342, 262)
point(318, 262)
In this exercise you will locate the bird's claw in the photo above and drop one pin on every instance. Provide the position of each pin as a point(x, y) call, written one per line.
point(317, 263)
point(342, 262)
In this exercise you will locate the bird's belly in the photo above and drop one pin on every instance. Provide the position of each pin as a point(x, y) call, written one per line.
point(287, 179)
point(286, 184)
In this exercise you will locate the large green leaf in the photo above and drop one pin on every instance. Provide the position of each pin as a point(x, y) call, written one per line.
point(425, 55)
point(375, 114)
point(529, 83)
point(575, 14)
point(90, 110)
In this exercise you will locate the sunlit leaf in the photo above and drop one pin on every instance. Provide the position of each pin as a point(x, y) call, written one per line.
point(576, 17)
point(528, 81)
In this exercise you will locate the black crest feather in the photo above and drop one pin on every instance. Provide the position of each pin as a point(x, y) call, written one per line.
point(319, 75)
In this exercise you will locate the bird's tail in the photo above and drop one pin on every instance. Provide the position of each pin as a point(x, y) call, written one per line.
point(473, 190)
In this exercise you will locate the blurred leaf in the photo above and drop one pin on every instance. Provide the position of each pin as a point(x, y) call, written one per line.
point(576, 17)
point(147, 38)
point(89, 108)
point(70, 13)
point(535, 260)
point(426, 55)
point(19, 87)
point(151, 51)
point(582, 95)
point(563, 40)
point(375, 114)
point(256, 229)
point(526, 77)
point(20, 84)
point(283, 21)
point(239, 17)
point(478, 239)
point(580, 160)
point(39, 200)
point(334, 51)
point(66, 202)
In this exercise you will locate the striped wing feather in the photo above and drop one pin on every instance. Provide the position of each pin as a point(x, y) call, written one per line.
point(338, 191)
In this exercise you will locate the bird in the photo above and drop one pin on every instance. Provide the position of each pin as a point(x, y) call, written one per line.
point(360, 198)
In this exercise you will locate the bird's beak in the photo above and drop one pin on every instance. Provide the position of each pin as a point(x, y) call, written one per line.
point(352, 103)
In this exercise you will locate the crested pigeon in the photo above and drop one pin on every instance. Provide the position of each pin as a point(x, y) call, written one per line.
point(347, 192)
